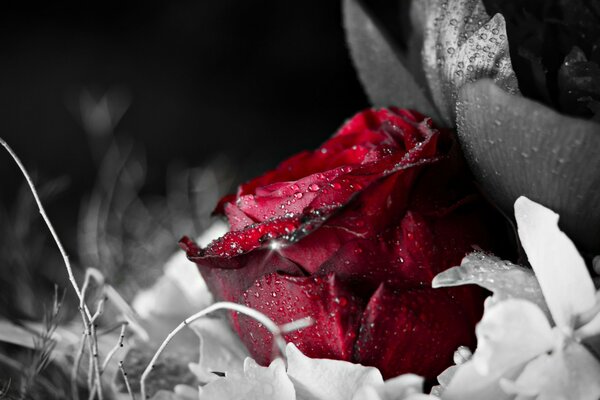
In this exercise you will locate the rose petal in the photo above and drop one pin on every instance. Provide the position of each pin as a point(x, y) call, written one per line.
point(313, 250)
point(560, 270)
point(336, 314)
point(322, 379)
point(234, 243)
point(413, 331)
point(220, 349)
point(569, 374)
point(410, 255)
point(237, 219)
point(288, 197)
point(380, 142)
point(517, 147)
point(380, 68)
point(225, 279)
point(402, 258)
point(258, 383)
point(510, 334)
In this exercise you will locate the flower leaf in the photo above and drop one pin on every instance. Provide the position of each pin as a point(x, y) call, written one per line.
point(381, 70)
point(462, 44)
point(505, 279)
point(516, 147)
point(560, 270)
point(579, 84)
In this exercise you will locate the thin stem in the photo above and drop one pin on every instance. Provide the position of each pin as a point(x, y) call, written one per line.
point(112, 352)
point(127, 385)
point(86, 315)
point(258, 316)
point(46, 219)
point(94, 363)
point(76, 363)
point(297, 324)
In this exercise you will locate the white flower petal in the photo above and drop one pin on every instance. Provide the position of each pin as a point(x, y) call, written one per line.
point(403, 387)
point(367, 393)
point(181, 291)
point(185, 273)
point(160, 395)
point(321, 379)
point(220, 349)
point(163, 299)
point(590, 329)
point(561, 272)
point(590, 322)
point(509, 334)
point(571, 374)
point(258, 383)
point(468, 383)
point(186, 392)
point(505, 279)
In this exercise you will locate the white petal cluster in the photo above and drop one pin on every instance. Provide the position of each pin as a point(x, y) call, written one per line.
point(521, 352)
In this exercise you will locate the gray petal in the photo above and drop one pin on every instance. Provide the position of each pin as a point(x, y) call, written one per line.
point(505, 279)
point(462, 44)
point(516, 146)
point(382, 73)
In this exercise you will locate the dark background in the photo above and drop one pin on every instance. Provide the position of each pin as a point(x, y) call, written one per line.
point(255, 81)
point(252, 81)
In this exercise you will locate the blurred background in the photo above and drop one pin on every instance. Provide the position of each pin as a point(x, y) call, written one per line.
point(133, 116)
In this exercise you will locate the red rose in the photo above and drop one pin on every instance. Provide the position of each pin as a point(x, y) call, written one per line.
point(352, 234)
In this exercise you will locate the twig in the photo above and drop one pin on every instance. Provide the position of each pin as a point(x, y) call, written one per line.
point(89, 274)
point(94, 363)
point(258, 316)
point(76, 363)
point(85, 312)
point(297, 324)
point(127, 385)
point(99, 371)
point(46, 219)
point(112, 352)
point(5, 388)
